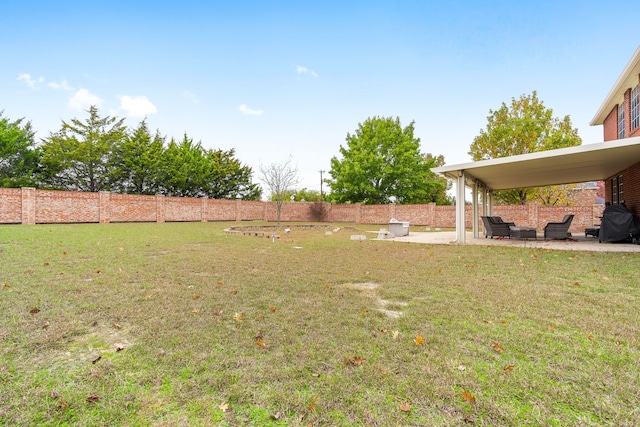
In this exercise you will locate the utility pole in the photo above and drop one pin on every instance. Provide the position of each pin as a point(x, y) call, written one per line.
point(321, 195)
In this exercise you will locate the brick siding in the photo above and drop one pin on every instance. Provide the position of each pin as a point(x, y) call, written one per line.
point(31, 206)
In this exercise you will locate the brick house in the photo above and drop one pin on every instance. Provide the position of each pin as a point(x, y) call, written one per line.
point(620, 116)
point(616, 160)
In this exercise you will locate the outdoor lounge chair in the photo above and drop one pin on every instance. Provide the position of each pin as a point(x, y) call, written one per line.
point(494, 226)
point(558, 230)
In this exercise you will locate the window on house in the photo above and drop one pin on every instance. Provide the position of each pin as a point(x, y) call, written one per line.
point(621, 121)
point(614, 191)
point(620, 190)
point(635, 109)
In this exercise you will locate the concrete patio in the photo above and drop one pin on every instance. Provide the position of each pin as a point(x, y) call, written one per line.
point(578, 243)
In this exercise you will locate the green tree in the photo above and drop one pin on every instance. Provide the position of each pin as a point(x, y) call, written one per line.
point(227, 178)
point(136, 162)
point(552, 195)
point(525, 126)
point(19, 157)
point(78, 156)
point(381, 163)
point(185, 169)
point(302, 195)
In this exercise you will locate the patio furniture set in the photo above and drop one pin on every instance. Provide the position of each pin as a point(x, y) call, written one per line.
point(494, 226)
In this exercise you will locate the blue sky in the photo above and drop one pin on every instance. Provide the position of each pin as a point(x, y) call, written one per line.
point(278, 79)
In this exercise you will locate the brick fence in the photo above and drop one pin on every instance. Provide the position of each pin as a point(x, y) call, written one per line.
point(31, 206)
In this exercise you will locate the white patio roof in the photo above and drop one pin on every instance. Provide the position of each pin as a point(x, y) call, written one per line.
point(588, 162)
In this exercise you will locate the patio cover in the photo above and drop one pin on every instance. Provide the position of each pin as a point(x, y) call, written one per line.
point(589, 162)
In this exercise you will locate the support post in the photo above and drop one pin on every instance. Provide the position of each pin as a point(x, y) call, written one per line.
point(474, 196)
point(460, 220)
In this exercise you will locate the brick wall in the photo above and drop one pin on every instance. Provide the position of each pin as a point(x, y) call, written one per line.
point(30, 206)
point(631, 186)
point(610, 125)
point(66, 206)
point(10, 205)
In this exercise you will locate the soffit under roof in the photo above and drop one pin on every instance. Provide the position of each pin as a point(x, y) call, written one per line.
point(589, 162)
point(628, 79)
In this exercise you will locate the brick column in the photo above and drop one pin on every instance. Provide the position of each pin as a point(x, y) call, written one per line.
point(203, 210)
point(105, 207)
point(28, 205)
point(431, 208)
point(159, 208)
point(238, 210)
point(533, 215)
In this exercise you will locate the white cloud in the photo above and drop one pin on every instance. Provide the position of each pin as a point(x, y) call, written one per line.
point(190, 96)
point(244, 109)
point(60, 86)
point(29, 81)
point(138, 106)
point(304, 70)
point(83, 99)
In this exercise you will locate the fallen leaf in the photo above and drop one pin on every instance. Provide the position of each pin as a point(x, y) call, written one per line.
point(98, 272)
point(224, 407)
point(312, 405)
point(46, 264)
point(238, 317)
point(395, 334)
point(508, 368)
point(94, 361)
point(468, 397)
point(93, 398)
point(45, 325)
point(217, 312)
point(34, 310)
point(219, 283)
point(589, 336)
point(363, 313)
point(576, 284)
point(233, 292)
point(260, 343)
point(6, 287)
point(115, 325)
point(272, 309)
point(405, 407)
point(62, 405)
point(383, 330)
point(497, 347)
point(354, 361)
point(196, 297)
point(419, 340)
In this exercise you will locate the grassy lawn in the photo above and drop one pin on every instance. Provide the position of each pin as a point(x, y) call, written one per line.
point(181, 324)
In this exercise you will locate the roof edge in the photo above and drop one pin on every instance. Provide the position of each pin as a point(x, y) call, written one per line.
point(608, 102)
point(443, 170)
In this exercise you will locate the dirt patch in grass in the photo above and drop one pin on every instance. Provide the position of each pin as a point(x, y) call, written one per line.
point(390, 308)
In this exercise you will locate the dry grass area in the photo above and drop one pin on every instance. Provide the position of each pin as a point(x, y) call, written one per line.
point(182, 324)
